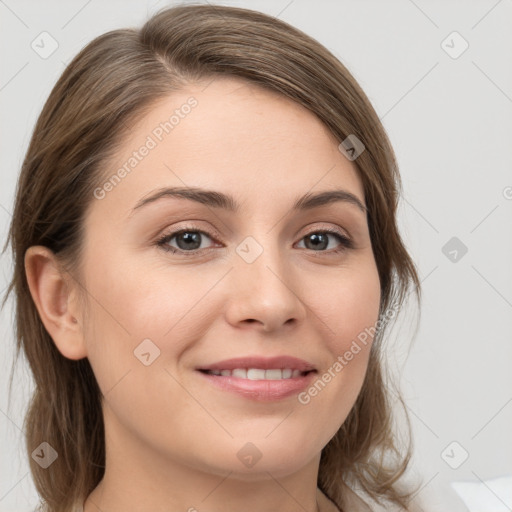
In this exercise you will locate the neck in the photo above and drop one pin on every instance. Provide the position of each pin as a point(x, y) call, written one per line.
point(140, 478)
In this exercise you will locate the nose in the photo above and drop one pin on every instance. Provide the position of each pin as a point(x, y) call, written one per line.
point(265, 294)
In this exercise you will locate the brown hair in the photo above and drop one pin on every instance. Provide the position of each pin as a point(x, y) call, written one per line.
point(110, 84)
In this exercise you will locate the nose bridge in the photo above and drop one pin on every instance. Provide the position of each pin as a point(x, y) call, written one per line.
point(261, 259)
point(264, 283)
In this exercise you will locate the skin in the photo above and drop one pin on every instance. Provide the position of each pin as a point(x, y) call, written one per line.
point(171, 437)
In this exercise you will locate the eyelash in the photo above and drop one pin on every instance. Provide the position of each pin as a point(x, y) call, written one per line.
point(345, 242)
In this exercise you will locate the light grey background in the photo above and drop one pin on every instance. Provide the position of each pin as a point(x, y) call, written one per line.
point(450, 122)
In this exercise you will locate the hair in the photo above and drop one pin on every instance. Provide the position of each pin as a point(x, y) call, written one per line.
point(108, 86)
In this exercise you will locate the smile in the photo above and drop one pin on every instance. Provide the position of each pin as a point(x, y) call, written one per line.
point(259, 385)
point(258, 373)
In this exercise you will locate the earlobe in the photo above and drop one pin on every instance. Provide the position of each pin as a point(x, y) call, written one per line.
point(53, 292)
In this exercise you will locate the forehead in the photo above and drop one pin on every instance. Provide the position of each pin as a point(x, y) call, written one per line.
point(234, 136)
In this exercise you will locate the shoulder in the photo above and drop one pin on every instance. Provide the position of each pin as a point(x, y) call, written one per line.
point(354, 503)
point(362, 506)
point(351, 501)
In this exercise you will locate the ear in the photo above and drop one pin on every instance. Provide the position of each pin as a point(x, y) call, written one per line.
point(54, 294)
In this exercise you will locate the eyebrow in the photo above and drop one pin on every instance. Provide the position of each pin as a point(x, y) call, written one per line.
point(216, 199)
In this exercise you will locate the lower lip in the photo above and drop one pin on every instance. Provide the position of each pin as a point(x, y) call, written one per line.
point(262, 390)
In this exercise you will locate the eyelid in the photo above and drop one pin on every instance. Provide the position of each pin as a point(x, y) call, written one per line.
point(329, 228)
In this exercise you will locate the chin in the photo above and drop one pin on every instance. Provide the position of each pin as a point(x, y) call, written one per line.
point(255, 460)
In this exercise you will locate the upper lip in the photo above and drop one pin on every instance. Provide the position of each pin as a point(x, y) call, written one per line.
point(264, 363)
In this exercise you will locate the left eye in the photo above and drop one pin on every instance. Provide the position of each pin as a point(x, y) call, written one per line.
point(189, 241)
point(320, 239)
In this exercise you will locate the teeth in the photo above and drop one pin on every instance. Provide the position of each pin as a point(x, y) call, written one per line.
point(273, 374)
point(258, 374)
point(253, 374)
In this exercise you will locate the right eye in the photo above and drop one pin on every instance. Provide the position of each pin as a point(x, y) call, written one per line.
point(188, 240)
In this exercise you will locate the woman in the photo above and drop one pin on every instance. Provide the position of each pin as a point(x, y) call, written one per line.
point(244, 371)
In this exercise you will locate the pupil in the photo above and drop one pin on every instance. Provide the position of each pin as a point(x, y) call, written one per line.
point(189, 237)
point(316, 240)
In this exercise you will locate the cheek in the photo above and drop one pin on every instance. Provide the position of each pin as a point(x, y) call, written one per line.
point(349, 311)
point(130, 303)
point(349, 307)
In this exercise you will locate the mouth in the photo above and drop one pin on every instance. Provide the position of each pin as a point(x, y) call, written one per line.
point(259, 373)
point(258, 378)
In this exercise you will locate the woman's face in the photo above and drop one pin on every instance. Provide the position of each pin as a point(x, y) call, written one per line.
point(253, 276)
